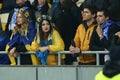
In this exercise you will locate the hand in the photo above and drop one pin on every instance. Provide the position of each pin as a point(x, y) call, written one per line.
point(74, 49)
point(117, 34)
point(105, 49)
point(12, 51)
point(99, 31)
point(43, 49)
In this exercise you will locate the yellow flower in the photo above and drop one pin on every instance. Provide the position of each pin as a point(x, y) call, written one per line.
point(26, 14)
point(21, 10)
point(49, 18)
point(38, 19)
point(44, 16)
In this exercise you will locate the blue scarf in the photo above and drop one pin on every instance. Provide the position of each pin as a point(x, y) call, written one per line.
point(105, 28)
point(43, 55)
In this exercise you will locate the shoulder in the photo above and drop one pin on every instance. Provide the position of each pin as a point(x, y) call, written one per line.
point(99, 76)
point(114, 27)
point(55, 31)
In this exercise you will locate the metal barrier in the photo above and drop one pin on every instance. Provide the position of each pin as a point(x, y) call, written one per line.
point(64, 52)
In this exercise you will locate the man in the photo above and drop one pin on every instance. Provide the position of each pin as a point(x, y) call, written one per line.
point(67, 17)
point(83, 36)
point(103, 33)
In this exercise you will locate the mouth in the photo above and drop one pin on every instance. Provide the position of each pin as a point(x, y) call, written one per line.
point(46, 28)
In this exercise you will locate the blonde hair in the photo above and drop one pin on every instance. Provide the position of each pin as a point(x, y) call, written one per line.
point(23, 28)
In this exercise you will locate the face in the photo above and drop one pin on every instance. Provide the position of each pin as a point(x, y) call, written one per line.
point(100, 17)
point(87, 15)
point(19, 19)
point(45, 26)
point(19, 2)
point(41, 2)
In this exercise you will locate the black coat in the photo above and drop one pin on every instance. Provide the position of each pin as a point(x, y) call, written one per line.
point(99, 45)
point(67, 22)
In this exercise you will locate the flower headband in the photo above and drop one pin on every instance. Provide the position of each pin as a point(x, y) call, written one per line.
point(39, 19)
point(23, 11)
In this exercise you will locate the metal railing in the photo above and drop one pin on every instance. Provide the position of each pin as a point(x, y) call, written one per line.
point(63, 52)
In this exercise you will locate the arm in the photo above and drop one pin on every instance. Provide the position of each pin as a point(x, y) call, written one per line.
point(57, 43)
point(12, 42)
point(27, 40)
point(95, 41)
point(34, 45)
point(76, 49)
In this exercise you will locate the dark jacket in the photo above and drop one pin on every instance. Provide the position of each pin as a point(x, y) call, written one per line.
point(7, 5)
point(112, 67)
point(43, 10)
point(67, 22)
point(99, 45)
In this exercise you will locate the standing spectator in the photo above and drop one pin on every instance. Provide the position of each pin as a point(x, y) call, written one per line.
point(11, 23)
point(48, 40)
point(83, 36)
point(111, 69)
point(21, 38)
point(103, 33)
point(42, 7)
point(7, 5)
point(25, 4)
point(67, 16)
point(4, 60)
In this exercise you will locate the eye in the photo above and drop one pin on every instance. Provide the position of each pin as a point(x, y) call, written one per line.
point(47, 24)
point(43, 24)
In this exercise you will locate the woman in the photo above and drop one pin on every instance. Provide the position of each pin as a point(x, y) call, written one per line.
point(22, 36)
point(47, 40)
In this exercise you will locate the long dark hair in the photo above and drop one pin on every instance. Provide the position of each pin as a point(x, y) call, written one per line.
point(41, 33)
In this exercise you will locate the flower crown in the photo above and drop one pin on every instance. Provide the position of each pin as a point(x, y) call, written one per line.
point(39, 19)
point(23, 11)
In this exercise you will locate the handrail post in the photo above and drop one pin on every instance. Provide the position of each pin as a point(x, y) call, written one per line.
point(18, 59)
point(59, 58)
point(97, 58)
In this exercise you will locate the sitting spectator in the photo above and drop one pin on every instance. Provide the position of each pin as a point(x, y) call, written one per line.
point(47, 40)
point(22, 36)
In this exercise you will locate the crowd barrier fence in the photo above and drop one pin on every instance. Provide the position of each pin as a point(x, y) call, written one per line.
point(63, 52)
